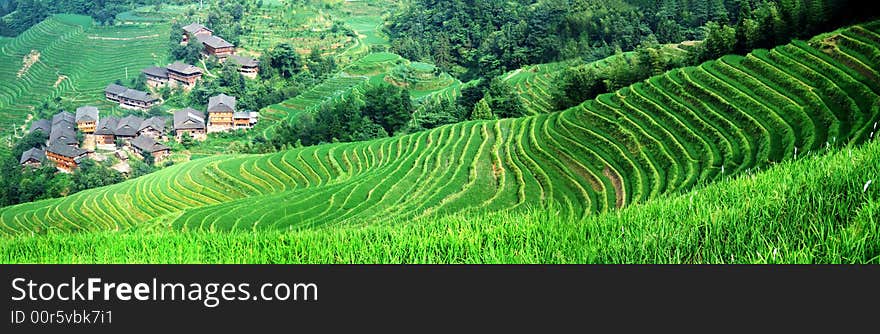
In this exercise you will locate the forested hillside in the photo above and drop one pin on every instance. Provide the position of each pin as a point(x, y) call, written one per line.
point(484, 37)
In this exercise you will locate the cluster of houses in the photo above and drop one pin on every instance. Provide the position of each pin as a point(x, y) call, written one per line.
point(140, 136)
point(179, 74)
point(220, 48)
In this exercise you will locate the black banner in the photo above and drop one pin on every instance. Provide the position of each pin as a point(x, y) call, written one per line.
point(332, 298)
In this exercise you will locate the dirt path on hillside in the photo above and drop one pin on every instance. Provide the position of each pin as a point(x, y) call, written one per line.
point(29, 60)
point(123, 38)
point(618, 186)
point(60, 79)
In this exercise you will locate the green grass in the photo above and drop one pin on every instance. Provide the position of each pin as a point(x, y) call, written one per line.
point(637, 147)
point(813, 210)
point(76, 61)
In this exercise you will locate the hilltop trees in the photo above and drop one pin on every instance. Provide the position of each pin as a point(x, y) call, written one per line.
point(384, 110)
point(481, 38)
point(283, 60)
point(388, 106)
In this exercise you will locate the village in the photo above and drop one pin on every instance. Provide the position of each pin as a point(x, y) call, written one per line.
point(139, 137)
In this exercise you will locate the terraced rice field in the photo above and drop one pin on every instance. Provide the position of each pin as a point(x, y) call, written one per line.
point(305, 26)
point(662, 136)
point(535, 84)
point(421, 78)
point(67, 56)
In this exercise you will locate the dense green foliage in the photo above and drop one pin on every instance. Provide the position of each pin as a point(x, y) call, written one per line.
point(384, 111)
point(24, 184)
point(27, 13)
point(815, 210)
point(485, 37)
point(666, 135)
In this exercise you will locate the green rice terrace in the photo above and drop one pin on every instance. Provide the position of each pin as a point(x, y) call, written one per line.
point(725, 222)
point(308, 26)
point(37, 65)
point(658, 138)
point(371, 69)
point(535, 84)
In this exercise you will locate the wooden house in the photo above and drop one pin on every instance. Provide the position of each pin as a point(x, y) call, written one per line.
point(193, 30)
point(105, 134)
point(127, 128)
point(145, 145)
point(130, 98)
point(247, 66)
point(43, 125)
point(221, 110)
point(155, 128)
point(87, 119)
point(156, 76)
point(33, 158)
point(184, 74)
point(63, 130)
point(66, 158)
point(190, 122)
point(216, 46)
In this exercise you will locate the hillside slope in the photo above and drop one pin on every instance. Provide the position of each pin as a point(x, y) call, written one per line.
point(66, 56)
point(688, 127)
point(812, 210)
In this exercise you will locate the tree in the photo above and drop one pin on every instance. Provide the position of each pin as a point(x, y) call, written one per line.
point(482, 111)
point(186, 140)
point(389, 106)
point(191, 53)
point(231, 80)
point(578, 84)
point(470, 95)
point(436, 113)
point(139, 82)
point(720, 40)
point(284, 60)
point(503, 101)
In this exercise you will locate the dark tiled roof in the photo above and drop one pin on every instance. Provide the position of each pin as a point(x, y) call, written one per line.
point(183, 68)
point(189, 119)
point(129, 126)
point(244, 61)
point(192, 28)
point(66, 151)
point(221, 103)
point(215, 42)
point(63, 117)
point(137, 95)
point(157, 123)
point(87, 114)
point(147, 144)
point(33, 154)
point(42, 125)
point(130, 94)
point(115, 89)
point(156, 71)
point(107, 126)
point(64, 136)
point(62, 131)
